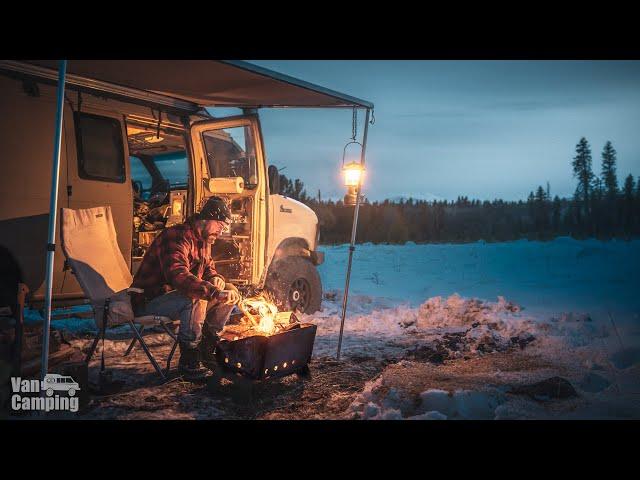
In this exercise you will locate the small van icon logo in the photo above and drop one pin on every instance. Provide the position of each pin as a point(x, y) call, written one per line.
point(55, 382)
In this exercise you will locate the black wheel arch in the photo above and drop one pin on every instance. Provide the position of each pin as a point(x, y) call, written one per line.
point(281, 275)
point(291, 247)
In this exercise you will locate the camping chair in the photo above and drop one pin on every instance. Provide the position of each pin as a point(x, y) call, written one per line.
point(90, 245)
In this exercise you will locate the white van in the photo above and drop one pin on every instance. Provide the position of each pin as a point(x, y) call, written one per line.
point(137, 137)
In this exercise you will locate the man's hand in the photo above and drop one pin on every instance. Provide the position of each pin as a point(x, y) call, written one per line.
point(233, 297)
point(231, 286)
point(218, 283)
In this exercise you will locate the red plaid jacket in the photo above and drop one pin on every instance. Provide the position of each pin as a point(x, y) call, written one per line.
point(178, 259)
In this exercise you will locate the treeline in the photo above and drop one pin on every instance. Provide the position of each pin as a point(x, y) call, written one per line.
point(599, 208)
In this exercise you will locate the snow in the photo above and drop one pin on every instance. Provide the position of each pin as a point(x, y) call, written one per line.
point(564, 307)
point(560, 275)
point(573, 303)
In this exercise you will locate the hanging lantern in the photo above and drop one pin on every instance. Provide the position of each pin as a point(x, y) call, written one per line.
point(353, 173)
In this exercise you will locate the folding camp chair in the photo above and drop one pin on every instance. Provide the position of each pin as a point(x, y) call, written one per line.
point(90, 245)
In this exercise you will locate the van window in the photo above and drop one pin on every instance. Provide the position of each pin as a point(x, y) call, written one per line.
point(100, 148)
point(231, 152)
point(173, 167)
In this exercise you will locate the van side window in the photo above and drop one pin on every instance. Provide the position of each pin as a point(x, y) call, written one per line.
point(100, 148)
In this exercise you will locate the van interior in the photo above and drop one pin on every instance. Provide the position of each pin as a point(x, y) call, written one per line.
point(160, 173)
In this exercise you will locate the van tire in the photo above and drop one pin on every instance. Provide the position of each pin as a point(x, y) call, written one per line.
point(71, 392)
point(49, 392)
point(294, 283)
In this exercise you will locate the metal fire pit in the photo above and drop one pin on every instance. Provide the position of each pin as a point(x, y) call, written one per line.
point(278, 355)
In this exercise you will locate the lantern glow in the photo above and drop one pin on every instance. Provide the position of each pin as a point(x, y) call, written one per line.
point(352, 173)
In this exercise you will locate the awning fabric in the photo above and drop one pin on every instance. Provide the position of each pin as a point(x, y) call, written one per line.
point(210, 83)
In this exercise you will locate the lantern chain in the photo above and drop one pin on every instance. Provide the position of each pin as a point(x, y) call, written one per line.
point(354, 125)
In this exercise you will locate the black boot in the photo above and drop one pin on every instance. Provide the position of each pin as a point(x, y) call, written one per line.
point(207, 347)
point(189, 365)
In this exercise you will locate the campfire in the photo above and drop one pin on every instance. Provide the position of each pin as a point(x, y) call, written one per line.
point(260, 316)
point(264, 342)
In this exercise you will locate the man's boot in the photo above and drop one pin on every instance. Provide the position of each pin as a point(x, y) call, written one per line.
point(207, 347)
point(189, 365)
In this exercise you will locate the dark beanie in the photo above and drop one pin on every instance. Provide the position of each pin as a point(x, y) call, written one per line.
point(215, 209)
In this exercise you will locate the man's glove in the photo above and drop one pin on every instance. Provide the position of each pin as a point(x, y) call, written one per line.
point(233, 297)
point(218, 282)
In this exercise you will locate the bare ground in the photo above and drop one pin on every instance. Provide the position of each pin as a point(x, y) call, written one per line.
point(323, 394)
point(410, 364)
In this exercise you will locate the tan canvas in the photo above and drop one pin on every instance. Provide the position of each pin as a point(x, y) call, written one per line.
point(90, 244)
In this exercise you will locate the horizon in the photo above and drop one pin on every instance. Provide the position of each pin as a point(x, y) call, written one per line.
point(459, 128)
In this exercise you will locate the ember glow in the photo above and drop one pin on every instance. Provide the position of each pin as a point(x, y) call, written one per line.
point(261, 317)
point(265, 313)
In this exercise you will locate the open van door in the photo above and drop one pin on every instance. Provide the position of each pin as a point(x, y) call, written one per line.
point(229, 161)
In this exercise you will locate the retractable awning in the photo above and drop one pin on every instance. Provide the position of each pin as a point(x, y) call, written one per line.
point(207, 83)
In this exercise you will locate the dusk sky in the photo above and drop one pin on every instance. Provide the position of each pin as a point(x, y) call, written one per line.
point(485, 129)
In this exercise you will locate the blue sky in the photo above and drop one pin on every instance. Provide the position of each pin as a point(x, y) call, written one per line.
point(485, 129)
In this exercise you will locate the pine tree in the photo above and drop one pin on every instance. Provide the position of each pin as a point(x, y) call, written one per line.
point(555, 215)
point(608, 174)
point(583, 172)
point(540, 209)
point(628, 210)
point(628, 189)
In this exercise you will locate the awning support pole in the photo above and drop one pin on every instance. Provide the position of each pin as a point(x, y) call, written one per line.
point(354, 228)
point(53, 210)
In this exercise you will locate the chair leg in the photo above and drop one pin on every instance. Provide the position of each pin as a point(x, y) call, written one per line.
point(169, 332)
point(146, 350)
point(92, 349)
point(173, 348)
point(133, 342)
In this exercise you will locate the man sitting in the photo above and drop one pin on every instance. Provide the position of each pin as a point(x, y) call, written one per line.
point(179, 280)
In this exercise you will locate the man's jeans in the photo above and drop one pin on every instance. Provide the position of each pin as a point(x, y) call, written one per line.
point(192, 314)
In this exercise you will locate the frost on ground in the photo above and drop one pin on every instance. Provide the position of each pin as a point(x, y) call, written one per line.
point(538, 331)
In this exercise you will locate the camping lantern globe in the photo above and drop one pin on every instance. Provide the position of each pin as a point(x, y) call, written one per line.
point(353, 172)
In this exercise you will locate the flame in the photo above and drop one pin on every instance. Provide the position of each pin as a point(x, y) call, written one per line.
point(260, 317)
point(262, 311)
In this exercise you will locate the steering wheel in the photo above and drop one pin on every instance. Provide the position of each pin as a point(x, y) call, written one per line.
point(137, 187)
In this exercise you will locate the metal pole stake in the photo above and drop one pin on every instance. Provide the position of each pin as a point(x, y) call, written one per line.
point(354, 228)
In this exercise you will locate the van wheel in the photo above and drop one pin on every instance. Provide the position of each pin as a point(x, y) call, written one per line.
point(295, 284)
point(49, 392)
point(72, 392)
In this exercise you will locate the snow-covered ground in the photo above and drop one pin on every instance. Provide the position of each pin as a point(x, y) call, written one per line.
point(564, 274)
point(461, 326)
point(564, 278)
point(572, 304)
